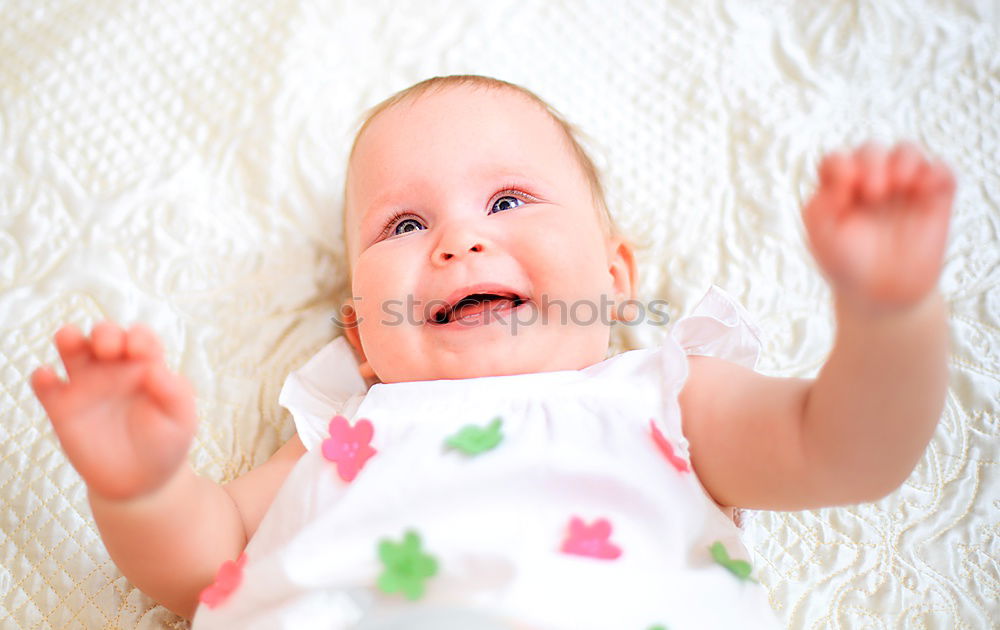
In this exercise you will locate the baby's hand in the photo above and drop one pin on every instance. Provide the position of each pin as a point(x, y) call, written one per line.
point(878, 224)
point(123, 419)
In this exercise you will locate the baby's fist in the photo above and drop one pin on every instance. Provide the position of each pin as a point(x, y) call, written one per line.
point(878, 224)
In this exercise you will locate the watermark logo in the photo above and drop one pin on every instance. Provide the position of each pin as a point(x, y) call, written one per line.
point(413, 312)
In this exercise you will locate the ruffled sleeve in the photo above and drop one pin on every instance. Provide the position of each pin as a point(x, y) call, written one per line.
point(719, 326)
point(327, 385)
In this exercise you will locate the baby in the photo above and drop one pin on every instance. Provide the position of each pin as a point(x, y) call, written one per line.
point(472, 459)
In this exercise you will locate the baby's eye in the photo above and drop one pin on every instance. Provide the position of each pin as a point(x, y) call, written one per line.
point(506, 203)
point(407, 225)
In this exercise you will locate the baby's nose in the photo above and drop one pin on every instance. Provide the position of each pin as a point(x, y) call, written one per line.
point(447, 255)
point(458, 242)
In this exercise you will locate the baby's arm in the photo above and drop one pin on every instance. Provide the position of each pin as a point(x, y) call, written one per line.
point(126, 423)
point(877, 226)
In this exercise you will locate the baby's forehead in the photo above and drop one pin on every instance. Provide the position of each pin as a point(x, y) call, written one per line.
point(407, 111)
point(396, 126)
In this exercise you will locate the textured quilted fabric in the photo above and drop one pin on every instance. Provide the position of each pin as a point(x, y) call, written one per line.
point(180, 163)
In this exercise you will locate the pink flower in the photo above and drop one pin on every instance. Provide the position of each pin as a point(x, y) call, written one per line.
point(668, 449)
point(590, 540)
point(349, 447)
point(227, 580)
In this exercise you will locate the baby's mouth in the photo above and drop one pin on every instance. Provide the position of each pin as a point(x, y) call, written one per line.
point(474, 304)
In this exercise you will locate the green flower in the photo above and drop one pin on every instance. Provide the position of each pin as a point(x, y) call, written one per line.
point(406, 566)
point(473, 440)
point(739, 568)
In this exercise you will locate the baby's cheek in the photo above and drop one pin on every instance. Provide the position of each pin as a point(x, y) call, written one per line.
point(379, 348)
point(380, 288)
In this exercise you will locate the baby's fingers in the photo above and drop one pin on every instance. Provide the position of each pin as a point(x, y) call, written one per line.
point(48, 389)
point(874, 182)
point(141, 343)
point(934, 179)
point(171, 393)
point(904, 165)
point(74, 349)
point(835, 170)
point(838, 177)
point(107, 341)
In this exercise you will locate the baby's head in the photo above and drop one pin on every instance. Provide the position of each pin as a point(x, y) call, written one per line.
point(468, 186)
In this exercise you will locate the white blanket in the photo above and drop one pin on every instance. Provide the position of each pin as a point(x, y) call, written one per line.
point(180, 163)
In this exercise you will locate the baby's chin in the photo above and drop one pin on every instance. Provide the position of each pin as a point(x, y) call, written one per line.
point(483, 353)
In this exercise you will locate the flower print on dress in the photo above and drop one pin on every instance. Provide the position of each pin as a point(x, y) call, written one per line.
point(406, 566)
point(473, 439)
point(227, 580)
point(349, 447)
point(592, 541)
point(739, 568)
point(679, 463)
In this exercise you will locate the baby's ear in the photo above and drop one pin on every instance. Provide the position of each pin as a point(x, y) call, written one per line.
point(350, 322)
point(624, 278)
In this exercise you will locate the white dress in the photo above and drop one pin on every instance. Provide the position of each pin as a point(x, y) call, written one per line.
point(581, 517)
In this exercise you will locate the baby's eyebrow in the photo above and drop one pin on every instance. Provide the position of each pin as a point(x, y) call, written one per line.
point(373, 207)
point(370, 221)
point(498, 177)
point(385, 200)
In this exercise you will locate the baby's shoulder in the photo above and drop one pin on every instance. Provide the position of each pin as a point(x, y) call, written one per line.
point(632, 364)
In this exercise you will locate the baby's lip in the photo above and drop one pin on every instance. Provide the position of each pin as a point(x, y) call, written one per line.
point(442, 314)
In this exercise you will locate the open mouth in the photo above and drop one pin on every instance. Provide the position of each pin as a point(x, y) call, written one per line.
point(476, 305)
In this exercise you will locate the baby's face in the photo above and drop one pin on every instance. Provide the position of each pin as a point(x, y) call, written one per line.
point(476, 191)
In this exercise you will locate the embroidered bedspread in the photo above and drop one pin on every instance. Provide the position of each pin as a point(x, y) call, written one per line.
point(180, 163)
